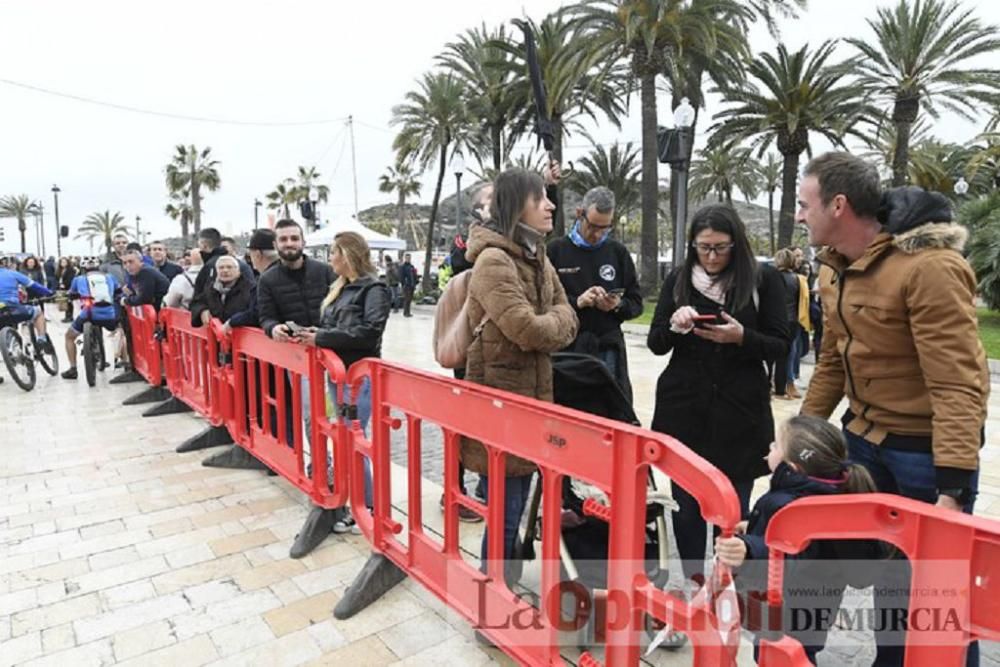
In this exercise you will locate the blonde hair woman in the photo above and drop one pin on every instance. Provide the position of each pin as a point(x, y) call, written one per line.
point(353, 318)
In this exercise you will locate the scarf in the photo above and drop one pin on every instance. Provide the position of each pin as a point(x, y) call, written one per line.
point(711, 286)
point(577, 238)
point(222, 289)
point(527, 238)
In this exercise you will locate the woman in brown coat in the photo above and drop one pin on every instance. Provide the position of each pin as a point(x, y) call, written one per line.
point(518, 305)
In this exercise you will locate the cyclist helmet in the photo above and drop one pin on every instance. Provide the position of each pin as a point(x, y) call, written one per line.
point(90, 263)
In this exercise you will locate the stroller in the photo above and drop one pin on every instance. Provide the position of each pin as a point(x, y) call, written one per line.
point(584, 383)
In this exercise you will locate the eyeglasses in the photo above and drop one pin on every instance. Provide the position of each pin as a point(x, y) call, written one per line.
point(603, 228)
point(707, 248)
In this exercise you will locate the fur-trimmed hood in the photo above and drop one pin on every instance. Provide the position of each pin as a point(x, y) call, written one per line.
point(946, 235)
point(920, 219)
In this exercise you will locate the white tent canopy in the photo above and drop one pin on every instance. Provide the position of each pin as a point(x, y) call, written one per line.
point(324, 236)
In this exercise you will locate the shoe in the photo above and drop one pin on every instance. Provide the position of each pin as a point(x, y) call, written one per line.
point(346, 524)
point(69, 373)
point(467, 515)
point(792, 391)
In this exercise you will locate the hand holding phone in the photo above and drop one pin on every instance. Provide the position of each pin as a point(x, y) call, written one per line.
point(618, 292)
point(294, 328)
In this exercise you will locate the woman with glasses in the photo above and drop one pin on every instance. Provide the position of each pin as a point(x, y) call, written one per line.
point(722, 316)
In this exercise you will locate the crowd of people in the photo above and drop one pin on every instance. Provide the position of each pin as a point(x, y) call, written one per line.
point(891, 308)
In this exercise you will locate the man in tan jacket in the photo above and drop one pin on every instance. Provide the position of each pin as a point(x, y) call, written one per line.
point(900, 338)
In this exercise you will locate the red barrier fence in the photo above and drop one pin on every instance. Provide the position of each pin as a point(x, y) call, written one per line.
point(261, 391)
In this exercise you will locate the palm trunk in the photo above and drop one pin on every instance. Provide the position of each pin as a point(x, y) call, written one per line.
point(185, 227)
point(400, 213)
point(901, 153)
point(649, 235)
point(559, 222)
point(770, 217)
point(430, 225)
point(786, 218)
point(496, 138)
point(195, 204)
point(22, 227)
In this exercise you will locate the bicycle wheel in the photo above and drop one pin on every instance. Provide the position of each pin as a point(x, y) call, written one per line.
point(91, 352)
point(47, 358)
point(20, 366)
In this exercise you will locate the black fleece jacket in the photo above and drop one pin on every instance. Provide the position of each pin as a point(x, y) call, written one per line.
point(284, 294)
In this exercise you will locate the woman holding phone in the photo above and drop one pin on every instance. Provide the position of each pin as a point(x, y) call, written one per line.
point(722, 316)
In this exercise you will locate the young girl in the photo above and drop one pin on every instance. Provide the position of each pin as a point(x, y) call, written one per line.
point(807, 458)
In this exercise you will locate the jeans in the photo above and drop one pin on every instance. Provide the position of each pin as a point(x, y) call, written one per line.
point(609, 358)
point(515, 498)
point(364, 405)
point(912, 475)
point(690, 529)
point(795, 353)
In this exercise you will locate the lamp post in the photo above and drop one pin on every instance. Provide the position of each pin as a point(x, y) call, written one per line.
point(458, 168)
point(55, 197)
point(256, 208)
point(961, 186)
point(40, 230)
point(138, 230)
point(683, 123)
point(314, 202)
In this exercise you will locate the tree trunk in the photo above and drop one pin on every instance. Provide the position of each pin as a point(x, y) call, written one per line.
point(559, 222)
point(195, 203)
point(430, 225)
point(786, 218)
point(496, 138)
point(401, 212)
point(185, 227)
point(22, 227)
point(901, 154)
point(770, 217)
point(649, 235)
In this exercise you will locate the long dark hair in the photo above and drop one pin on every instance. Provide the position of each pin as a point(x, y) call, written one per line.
point(740, 275)
point(511, 192)
point(818, 449)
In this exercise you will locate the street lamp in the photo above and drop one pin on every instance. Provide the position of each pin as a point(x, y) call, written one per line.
point(961, 186)
point(314, 201)
point(458, 168)
point(683, 124)
point(256, 207)
point(138, 231)
point(55, 196)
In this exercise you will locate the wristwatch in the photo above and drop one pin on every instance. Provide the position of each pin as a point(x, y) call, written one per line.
point(961, 496)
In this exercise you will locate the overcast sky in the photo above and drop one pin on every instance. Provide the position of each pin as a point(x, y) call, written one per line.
point(251, 62)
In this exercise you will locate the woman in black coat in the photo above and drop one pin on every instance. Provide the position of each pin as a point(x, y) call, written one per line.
point(713, 395)
point(227, 298)
point(65, 273)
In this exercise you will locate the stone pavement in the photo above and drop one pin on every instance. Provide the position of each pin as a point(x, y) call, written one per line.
point(115, 549)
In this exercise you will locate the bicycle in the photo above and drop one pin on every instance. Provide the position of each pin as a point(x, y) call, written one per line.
point(20, 356)
point(92, 349)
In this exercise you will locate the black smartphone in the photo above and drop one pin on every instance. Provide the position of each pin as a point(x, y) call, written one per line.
point(618, 291)
point(294, 328)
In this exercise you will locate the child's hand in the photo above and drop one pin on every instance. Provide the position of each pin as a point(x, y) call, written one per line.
point(731, 551)
point(741, 527)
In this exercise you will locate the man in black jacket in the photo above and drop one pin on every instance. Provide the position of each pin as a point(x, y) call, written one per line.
point(600, 280)
point(294, 289)
point(158, 251)
point(211, 248)
point(149, 286)
point(408, 283)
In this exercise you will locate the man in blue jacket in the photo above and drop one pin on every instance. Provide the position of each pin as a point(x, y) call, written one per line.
point(97, 292)
point(13, 311)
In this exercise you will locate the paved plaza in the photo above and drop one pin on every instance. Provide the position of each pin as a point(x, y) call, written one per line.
point(114, 549)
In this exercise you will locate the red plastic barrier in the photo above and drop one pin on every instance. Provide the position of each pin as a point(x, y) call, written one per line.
point(193, 366)
point(609, 455)
point(145, 345)
point(948, 552)
point(267, 413)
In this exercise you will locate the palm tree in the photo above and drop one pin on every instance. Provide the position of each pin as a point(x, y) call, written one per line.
point(482, 60)
point(648, 34)
point(434, 125)
point(402, 181)
point(617, 169)
point(103, 226)
point(179, 208)
point(284, 195)
point(982, 217)
point(192, 170)
point(798, 93)
point(19, 207)
point(719, 170)
point(577, 81)
point(770, 174)
point(920, 61)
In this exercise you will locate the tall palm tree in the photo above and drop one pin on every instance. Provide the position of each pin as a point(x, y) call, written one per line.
point(192, 170)
point(19, 207)
point(102, 226)
point(404, 183)
point(616, 168)
point(789, 96)
point(433, 126)
point(578, 83)
point(482, 59)
point(284, 195)
point(306, 180)
point(770, 174)
point(179, 209)
point(718, 170)
point(920, 60)
point(648, 34)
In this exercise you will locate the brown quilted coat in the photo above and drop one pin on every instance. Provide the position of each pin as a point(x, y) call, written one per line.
point(529, 318)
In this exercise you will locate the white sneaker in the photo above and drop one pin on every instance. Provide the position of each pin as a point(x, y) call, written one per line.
point(346, 524)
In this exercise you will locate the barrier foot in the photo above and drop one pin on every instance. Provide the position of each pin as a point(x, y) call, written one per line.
point(318, 525)
point(151, 395)
point(213, 436)
point(127, 376)
point(376, 578)
point(171, 406)
point(235, 457)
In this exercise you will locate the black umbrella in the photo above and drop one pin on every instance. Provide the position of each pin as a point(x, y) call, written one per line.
point(543, 126)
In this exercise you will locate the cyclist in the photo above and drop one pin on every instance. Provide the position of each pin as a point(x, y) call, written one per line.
point(15, 312)
point(97, 292)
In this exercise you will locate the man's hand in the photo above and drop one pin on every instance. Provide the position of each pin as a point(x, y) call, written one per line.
point(306, 337)
point(590, 298)
point(206, 317)
point(731, 551)
point(552, 173)
point(608, 302)
point(729, 333)
point(127, 290)
point(281, 333)
point(948, 503)
point(227, 328)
